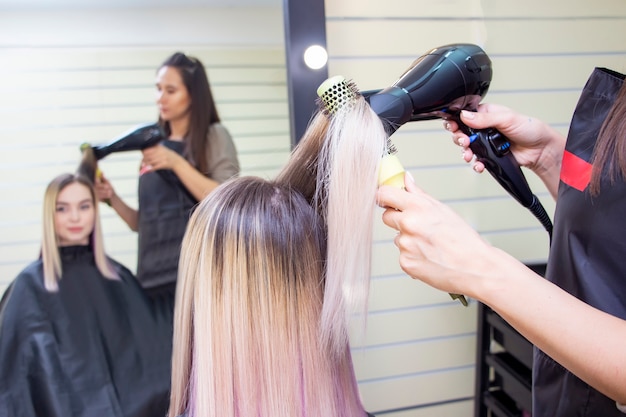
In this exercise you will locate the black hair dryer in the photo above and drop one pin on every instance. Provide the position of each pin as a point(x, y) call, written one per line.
point(440, 84)
point(136, 139)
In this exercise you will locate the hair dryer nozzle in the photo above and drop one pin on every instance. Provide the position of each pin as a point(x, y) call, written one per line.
point(394, 107)
point(136, 139)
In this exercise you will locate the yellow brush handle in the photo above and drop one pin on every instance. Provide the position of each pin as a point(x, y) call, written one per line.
point(460, 297)
point(99, 175)
point(391, 171)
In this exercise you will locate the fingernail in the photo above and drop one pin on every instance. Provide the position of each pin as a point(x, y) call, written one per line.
point(410, 177)
point(467, 114)
point(460, 141)
point(446, 125)
point(475, 168)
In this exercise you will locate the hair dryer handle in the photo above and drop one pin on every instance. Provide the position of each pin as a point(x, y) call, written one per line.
point(493, 150)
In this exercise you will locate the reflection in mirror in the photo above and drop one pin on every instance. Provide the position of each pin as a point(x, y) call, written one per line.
point(74, 75)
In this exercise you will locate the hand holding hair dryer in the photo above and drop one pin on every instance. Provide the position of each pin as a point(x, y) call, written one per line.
point(440, 84)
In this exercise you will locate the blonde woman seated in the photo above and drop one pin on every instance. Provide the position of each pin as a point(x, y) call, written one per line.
point(77, 335)
point(270, 272)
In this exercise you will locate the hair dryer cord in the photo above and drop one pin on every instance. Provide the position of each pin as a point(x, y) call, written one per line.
point(540, 213)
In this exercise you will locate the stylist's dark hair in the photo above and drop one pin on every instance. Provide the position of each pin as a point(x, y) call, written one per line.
point(610, 150)
point(202, 111)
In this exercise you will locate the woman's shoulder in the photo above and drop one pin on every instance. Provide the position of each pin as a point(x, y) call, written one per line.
point(24, 294)
point(124, 273)
point(31, 277)
point(218, 132)
point(33, 268)
point(119, 267)
point(223, 161)
point(219, 127)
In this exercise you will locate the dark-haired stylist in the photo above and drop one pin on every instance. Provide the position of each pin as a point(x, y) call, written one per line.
point(197, 156)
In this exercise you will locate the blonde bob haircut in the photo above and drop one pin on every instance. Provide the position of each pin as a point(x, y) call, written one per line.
point(268, 273)
point(52, 269)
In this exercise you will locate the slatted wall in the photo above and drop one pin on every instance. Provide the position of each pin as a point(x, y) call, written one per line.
point(418, 356)
point(58, 94)
point(67, 81)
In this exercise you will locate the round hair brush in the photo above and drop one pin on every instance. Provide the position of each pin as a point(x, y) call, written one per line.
point(88, 166)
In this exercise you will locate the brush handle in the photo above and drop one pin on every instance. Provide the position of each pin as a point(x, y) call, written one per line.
point(99, 176)
point(391, 171)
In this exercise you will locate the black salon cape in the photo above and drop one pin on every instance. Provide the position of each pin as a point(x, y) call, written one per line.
point(91, 349)
point(588, 251)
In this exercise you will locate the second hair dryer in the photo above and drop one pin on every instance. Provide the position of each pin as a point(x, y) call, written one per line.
point(136, 139)
point(440, 84)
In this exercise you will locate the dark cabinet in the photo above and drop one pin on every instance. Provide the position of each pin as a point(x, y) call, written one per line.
point(504, 361)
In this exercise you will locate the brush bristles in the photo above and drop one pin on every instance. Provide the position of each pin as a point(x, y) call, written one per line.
point(391, 148)
point(337, 93)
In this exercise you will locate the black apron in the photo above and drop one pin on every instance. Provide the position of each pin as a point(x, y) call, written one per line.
point(165, 206)
point(588, 249)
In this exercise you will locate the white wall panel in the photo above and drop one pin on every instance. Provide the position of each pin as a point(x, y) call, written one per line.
point(73, 82)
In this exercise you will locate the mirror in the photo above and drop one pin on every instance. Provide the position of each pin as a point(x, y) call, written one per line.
point(83, 71)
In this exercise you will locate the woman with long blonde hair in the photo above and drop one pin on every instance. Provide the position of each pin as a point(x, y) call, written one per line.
point(78, 337)
point(270, 272)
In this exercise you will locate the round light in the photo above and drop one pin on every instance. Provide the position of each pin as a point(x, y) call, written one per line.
point(315, 57)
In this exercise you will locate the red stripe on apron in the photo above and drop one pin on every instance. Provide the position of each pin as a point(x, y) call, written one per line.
point(575, 171)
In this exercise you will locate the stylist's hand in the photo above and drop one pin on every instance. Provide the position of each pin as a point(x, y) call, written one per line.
point(436, 245)
point(526, 134)
point(160, 157)
point(104, 190)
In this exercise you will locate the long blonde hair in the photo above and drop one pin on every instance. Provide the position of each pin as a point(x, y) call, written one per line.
point(248, 304)
point(269, 272)
point(335, 166)
point(52, 269)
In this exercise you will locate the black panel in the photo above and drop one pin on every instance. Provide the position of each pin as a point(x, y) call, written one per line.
point(503, 366)
point(305, 25)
